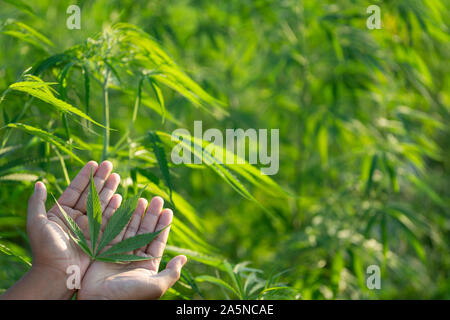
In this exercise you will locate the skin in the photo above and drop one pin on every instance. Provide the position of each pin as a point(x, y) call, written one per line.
point(53, 250)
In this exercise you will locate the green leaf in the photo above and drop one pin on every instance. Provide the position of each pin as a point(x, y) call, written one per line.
point(47, 137)
point(373, 166)
point(78, 234)
point(19, 4)
point(160, 154)
point(392, 174)
point(423, 186)
point(234, 277)
point(87, 86)
point(411, 231)
point(13, 250)
point(94, 213)
point(132, 243)
point(197, 256)
point(123, 258)
point(41, 90)
point(322, 142)
point(384, 237)
point(212, 162)
point(50, 62)
point(137, 103)
point(159, 96)
point(118, 221)
point(217, 281)
point(167, 72)
point(337, 266)
point(26, 33)
point(195, 146)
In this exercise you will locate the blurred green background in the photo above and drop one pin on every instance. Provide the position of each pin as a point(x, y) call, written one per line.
point(364, 141)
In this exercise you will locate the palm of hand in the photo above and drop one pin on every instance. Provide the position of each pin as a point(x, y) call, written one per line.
point(136, 280)
point(57, 249)
point(112, 281)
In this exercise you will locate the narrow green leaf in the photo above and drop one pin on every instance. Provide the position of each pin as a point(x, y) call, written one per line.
point(78, 235)
point(87, 86)
point(217, 281)
point(410, 230)
point(45, 136)
point(82, 245)
point(118, 221)
point(11, 250)
point(322, 142)
point(50, 62)
point(62, 80)
point(423, 186)
point(94, 213)
point(337, 266)
point(132, 243)
point(210, 260)
point(373, 166)
point(384, 237)
point(233, 276)
point(159, 96)
point(392, 174)
point(19, 4)
point(123, 258)
point(370, 224)
point(41, 90)
point(137, 104)
point(195, 146)
point(26, 33)
point(160, 154)
point(212, 162)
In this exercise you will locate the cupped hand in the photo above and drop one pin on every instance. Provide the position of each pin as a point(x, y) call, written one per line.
point(136, 280)
point(52, 248)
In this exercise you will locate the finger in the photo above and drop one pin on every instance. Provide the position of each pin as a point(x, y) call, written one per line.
point(108, 190)
point(157, 246)
point(113, 205)
point(150, 220)
point(73, 192)
point(136, 218)
point(100, 177)
point(36, 205)
point(169, 275)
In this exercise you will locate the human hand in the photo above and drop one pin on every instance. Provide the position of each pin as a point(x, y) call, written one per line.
point(52, 248)
point(136, 280)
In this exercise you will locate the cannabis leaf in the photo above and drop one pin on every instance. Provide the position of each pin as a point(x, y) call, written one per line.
point(119, 252)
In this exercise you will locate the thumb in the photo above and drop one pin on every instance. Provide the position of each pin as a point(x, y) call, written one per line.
point(36, 204)
point(171, 273)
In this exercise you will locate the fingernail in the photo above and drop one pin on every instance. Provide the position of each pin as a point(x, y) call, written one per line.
point(183, 260)
point(38, 185)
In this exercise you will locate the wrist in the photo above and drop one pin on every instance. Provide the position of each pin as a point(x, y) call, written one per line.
point(41, 283)
point(53, 281)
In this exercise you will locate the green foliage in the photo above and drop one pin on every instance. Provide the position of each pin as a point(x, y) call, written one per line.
point(247, 284)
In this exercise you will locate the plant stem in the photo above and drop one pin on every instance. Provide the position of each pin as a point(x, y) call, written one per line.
point(106, 115)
